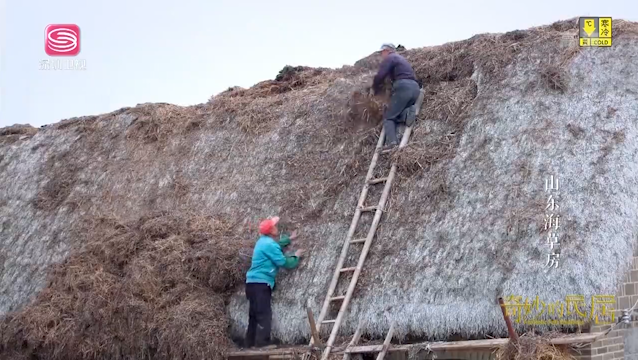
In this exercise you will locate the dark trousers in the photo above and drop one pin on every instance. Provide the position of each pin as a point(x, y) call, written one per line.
point(404, 94)
point(259, 315)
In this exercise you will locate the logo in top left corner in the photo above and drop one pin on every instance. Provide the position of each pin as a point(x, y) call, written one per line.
point(62, 40)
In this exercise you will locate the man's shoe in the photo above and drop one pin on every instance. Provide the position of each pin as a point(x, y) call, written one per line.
point(410, 115)
point(411, 119)
point(389, 146)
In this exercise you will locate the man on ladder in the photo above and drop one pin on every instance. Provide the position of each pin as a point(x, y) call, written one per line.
point(405, 91)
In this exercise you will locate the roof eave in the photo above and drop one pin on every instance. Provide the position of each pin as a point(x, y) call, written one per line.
point(434, 346)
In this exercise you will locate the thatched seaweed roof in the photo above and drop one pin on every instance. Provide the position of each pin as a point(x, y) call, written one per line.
point(463, 224)
point(469, 227)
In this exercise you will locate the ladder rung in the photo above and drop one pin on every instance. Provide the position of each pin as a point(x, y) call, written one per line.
point(378, 180)
point(356, 241)
point(329, 321)
point(388, 151)
point(337, 298)
point(348, 269)
point(369, 208)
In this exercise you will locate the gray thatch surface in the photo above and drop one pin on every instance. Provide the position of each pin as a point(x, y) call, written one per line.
point(463, 223)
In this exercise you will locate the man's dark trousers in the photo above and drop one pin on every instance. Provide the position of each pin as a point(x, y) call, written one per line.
point(405, 93)
point(259, 314)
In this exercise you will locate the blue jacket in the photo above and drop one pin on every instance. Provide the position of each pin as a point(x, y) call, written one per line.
point(268, 257)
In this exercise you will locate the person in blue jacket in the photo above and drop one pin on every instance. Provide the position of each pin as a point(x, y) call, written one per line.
point(268, 257)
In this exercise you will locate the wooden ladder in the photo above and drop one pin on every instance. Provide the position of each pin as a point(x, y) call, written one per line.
point(367, 241)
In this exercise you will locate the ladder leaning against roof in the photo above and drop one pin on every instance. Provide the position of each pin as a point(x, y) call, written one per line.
point(367, 241)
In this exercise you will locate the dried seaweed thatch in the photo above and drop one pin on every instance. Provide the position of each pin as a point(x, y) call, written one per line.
point(18, 129)
point(152, 288)
point(534, 347)
point(555, 78)
point(11, 134)
point(463, 224)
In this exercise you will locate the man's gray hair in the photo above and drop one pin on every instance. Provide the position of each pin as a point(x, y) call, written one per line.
point(388, 46)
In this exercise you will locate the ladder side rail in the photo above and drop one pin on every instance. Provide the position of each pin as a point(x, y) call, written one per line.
point(351, 231)
point(386, 343)
point(362, 257)
point(354, 341)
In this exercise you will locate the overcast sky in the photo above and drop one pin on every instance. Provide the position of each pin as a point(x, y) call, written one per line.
point(182, 52)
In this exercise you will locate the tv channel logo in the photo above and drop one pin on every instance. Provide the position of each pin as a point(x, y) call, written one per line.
point(62, 40)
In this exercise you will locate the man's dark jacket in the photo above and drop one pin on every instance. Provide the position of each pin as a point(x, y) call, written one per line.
point(395, 66)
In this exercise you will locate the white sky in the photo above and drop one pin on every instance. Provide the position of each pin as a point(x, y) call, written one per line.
point(182, 52)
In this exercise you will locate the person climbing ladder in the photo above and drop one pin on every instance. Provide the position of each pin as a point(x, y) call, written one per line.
point(405, 91)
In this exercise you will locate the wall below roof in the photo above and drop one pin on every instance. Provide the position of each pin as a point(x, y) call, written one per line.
point(621, 343)
point(631, 344)
point(446, 355)
point(630, 292)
